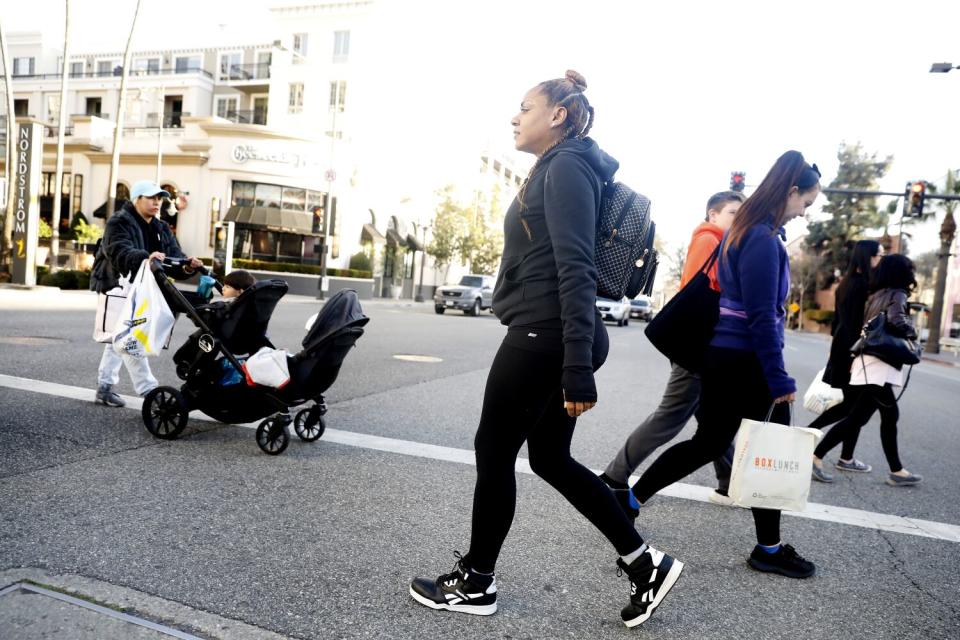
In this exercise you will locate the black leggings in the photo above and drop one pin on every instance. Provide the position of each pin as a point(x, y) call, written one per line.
point(523, 402)
point(733, 388)
point(866, 400)
point(836, 413)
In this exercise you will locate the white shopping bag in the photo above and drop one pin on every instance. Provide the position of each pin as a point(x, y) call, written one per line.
point(109, 305)
point(268, 368)
point(772, 465)
point(820, 396)
point(145, 322)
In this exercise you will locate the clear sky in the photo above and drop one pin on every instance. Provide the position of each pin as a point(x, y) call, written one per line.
point(685, 92)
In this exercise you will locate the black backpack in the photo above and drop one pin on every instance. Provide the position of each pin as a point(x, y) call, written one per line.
point(624, 254)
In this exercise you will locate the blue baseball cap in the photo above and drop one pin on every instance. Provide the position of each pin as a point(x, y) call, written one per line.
point(148, 189)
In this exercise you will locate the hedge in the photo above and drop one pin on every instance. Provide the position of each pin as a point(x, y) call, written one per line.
point(292, 267)
point(821, 316)
point(66, 279)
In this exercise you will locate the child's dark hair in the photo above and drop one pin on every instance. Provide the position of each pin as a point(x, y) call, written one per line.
point(895, 271)
point(240, 279)
point(719, 200)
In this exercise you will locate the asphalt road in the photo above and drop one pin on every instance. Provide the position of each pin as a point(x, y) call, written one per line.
point(321, 541)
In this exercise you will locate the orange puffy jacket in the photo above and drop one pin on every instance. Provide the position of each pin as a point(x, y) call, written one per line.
point(705, 239)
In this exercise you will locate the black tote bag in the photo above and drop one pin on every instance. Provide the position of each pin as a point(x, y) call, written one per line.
point(683, 328)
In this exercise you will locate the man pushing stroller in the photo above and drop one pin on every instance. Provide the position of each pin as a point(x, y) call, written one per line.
point(133, 234)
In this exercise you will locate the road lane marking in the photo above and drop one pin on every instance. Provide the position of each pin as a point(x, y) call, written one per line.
point(814, 511)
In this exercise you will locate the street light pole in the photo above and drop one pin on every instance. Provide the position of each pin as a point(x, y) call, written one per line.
point(160, 137)
point(423, 262)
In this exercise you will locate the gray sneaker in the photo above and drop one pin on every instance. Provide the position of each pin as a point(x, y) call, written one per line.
point(854, 465)
point(106, 395)
point(821, 475)
point(904, 481)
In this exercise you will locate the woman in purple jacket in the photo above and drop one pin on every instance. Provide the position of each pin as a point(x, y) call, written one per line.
point(744, 374)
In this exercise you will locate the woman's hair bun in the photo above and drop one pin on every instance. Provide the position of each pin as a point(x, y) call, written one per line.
point(578, 80)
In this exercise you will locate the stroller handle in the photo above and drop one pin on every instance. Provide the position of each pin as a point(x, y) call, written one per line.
point(176, 262)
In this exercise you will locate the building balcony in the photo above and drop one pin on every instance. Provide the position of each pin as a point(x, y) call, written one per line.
point(252, 116)
point(115, 73)
point(245, 73)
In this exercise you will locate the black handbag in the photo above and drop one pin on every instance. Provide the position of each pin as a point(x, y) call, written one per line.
point(683, 328)
point(879, 341)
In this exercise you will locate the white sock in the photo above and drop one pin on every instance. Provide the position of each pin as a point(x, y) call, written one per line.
point(630, 557)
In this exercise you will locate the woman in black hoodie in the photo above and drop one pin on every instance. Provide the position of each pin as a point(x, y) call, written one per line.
point(849, 302)
point(542, 379)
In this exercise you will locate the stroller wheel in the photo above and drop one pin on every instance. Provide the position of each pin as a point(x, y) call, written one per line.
point(164, 413)
point(272, 437)
point(309, 424)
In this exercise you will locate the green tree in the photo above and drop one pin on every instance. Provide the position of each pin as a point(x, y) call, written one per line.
point(849, 215)
point(447, 230)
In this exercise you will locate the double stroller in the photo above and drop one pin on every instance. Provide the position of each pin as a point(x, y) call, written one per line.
point(224, 334)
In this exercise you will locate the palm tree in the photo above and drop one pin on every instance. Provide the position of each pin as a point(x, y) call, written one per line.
point(948, 230)
point(121, 107)
point(6, 241)
point(61, 132)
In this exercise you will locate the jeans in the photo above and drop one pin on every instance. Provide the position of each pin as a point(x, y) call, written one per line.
point(680, 400)
point(108, 373)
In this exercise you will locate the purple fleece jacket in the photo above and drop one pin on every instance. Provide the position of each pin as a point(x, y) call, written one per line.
point(754, 282)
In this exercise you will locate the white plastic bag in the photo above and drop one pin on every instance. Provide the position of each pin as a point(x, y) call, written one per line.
point(820, 396)
point(772, 465)
point(268, 368)
point(145, 322)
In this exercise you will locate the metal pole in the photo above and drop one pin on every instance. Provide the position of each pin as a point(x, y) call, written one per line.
point(61, 132)
point(328, 202)
point(423, 260)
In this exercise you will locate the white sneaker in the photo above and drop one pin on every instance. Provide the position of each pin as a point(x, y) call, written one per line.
point(718, 498)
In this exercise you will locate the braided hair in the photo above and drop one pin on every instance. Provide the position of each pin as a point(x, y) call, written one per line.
point(566, 92)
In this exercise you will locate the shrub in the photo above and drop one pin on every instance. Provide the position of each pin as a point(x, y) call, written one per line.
point(820, 316)
point(66, 279)
point(360, 262)
point(45, 231)
point(292, 267)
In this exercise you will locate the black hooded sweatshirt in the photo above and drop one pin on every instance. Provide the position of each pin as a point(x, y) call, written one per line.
point(547, 274)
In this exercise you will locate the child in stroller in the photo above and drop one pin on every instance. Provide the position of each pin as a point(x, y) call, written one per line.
point(239, 328)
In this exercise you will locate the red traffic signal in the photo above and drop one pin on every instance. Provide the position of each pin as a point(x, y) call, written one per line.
point(915, 194)
point(738, 180)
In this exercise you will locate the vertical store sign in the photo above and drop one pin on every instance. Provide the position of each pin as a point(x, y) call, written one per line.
point(26, 207)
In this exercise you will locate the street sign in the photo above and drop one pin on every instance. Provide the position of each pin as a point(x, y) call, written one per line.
point(330, 175)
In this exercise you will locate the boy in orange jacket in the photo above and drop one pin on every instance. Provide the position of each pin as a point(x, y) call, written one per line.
point(682, 394)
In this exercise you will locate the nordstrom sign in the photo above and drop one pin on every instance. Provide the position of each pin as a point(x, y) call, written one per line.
point(244, 152)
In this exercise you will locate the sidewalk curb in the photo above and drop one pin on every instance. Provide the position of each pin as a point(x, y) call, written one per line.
point(133, 602)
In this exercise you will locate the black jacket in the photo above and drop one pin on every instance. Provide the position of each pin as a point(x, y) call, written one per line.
point(547, 275)
point(123, 249)
point(850, 301)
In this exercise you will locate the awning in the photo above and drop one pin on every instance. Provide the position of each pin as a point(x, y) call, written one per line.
point(413, 243)
point(396, 238)
point(369, 232)
point(101, 211)
point(299, 222)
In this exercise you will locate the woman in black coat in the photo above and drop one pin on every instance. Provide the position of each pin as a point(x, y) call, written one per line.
point(850, 300)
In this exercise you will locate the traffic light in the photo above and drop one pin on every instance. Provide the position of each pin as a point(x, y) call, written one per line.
point(737, 180)
point(917, 191)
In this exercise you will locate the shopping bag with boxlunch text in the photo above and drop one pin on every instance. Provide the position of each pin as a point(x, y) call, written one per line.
point(772, 465)
point(145, 321)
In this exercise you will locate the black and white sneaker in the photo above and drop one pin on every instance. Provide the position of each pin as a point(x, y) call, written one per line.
point(625, 499)
point(786, 561)
point(652, 575)
point(460, 590)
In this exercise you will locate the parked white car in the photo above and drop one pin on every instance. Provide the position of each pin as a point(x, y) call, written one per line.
point(615, 311)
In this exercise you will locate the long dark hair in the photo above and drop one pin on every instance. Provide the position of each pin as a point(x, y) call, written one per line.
point(895, 271)
point(863, 251)
point(770, 198)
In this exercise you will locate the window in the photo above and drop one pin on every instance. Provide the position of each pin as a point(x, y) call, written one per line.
point(341, 46)
point(230, 66)
point(146, 66)
point(294, 199)
point(227, 107)
point(262, 70)
point(290, 246)
point(77, 194)
point(53, 107)
point(24, 66)
point(296, 98)
point(94, 107)
point(338, 95)
point(21, 107)
point(244, 194)
point(109, 68)
point(268, 195)
point(76, 69)
point(300, 43)
point(186, 64)
point(260, 106)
